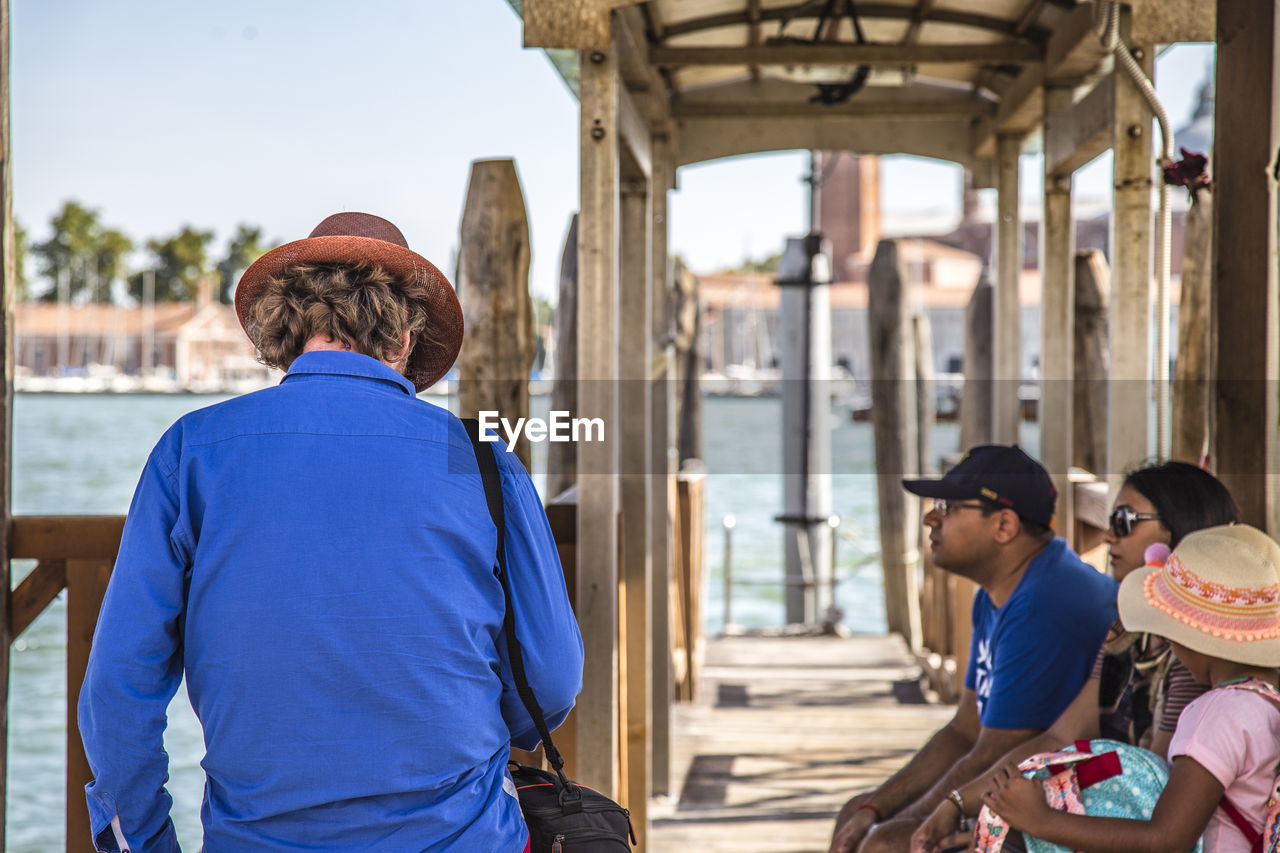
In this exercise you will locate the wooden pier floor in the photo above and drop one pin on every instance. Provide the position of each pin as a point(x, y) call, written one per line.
point(782, 731)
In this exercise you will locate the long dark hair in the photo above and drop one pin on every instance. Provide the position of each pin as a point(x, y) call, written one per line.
point(1186, 498)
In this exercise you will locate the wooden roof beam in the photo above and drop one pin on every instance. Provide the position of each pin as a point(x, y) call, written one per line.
point(874, 109)
point(846, 54)
point(866, 12)
point(1073, 52)
point(642, 80)
point(1075, 136)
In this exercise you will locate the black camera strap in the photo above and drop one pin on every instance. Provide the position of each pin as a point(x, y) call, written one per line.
point(493, 495)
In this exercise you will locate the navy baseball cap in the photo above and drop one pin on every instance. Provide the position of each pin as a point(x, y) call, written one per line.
point(1004, 477)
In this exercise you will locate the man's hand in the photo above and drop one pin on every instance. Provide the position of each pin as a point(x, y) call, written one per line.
point(940, 830)
point(1019, 801)
point(852, 825)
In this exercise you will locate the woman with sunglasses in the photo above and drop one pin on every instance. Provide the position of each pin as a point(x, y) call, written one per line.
point(1134, 672)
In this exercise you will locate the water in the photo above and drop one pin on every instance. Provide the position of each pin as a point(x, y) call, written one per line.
point(81, 454)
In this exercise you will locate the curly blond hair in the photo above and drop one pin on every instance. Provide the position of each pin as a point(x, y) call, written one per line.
point(361, 306)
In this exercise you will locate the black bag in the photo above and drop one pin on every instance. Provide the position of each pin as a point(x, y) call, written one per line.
point(563, 816)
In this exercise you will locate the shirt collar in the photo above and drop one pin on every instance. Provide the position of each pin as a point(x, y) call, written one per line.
point(346, 363)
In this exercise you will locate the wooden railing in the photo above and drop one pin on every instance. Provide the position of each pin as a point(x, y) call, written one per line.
point(74, 553)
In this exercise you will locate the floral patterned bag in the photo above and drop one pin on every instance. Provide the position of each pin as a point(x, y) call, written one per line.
point(1099, 777)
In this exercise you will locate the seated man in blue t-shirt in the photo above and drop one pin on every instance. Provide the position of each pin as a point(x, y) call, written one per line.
point(1038, 621)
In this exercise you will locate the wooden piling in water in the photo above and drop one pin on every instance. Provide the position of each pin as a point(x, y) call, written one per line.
point(1191, 377)
point(1089, 406)
point(562, 456)
point(977, 405)
point(893, 417)
point(493, 286)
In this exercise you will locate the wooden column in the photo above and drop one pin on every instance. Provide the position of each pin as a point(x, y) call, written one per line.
point(893, 424)
point(634, 427)
point(1008, 326)
point(1129, 392)
point(1245, 165)
point(8, 285)
point(493, 286)
point(597, 708)
point(1192, 375)
point(663, 464)
point(1057, 321)
point(562, 456)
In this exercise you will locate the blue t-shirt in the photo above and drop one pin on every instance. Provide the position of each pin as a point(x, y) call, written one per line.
point(1029, 658)
point(317, 559)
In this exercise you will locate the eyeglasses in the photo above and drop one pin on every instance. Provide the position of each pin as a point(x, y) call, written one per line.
point(944, 507)
point(1123, 518)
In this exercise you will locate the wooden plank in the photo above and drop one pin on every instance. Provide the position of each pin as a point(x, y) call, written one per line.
point(597, 710)
point(635, 398)
point(1074, 136)
point(1244, 273)
point(1007, 358)
point(1130, 371)
point(1057, 318)
point(847, 54)
point(893, 427)
point(493, 284)
point(633, 131)
point(36, 592)
point(86, 585)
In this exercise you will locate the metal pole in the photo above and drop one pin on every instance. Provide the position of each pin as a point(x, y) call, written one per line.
point(729, 523)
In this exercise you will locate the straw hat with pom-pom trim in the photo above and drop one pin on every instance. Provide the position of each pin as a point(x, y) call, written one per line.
point(1218, 593)
point(365, 238)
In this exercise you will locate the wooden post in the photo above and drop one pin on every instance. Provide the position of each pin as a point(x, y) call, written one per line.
point(1008, 305)
point(1089, 403)
point(894, 428)
point(1245, 165)
point(493, 286)
point(598, 398)
point(1191, 378)
point(688, 333)
point(662, 462)
point(635, 400)
point(86, 585)
point(562, 456)
point(977, 404)
point(1057, 326)
point(8, 286)
point(926, 393)
point(1129, 391)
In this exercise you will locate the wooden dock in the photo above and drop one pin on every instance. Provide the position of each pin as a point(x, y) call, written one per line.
point(782, 731)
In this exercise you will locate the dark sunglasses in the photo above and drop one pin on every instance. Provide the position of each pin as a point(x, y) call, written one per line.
point(1123, 518)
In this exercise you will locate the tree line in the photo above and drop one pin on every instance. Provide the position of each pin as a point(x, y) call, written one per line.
point(83, 258)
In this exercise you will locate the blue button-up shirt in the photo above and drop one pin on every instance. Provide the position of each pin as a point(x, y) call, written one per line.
point(318, 558)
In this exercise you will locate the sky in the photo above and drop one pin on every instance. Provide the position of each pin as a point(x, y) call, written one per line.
point(276, 113)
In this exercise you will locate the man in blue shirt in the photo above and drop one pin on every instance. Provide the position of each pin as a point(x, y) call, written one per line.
point(318, 559)
point(1039, 617)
